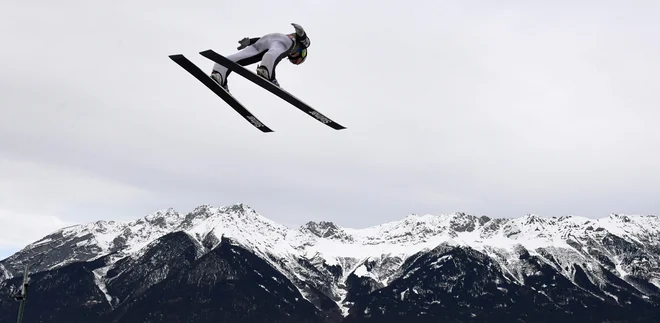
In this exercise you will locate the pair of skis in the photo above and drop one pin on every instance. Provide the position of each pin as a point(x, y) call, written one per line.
point(233, 102)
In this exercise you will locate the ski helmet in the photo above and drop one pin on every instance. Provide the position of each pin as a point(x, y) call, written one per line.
point(298, 57)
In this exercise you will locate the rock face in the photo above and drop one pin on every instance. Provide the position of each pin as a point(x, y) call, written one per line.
point(231, 264)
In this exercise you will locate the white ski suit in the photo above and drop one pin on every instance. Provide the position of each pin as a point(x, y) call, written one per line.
point(270, 49)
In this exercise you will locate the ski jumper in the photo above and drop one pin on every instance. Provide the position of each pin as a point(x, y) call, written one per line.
point(269, 49)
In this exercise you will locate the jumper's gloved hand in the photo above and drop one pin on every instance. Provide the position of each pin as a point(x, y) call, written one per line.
point(302, 37)
point(299, 29)
point(245, 42)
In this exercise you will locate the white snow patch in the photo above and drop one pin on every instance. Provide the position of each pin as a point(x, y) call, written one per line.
point(619, 269)
point(5, 273)
point(38, 243)
point(264, 287)
point(332, 261)
point(611, 295)
point(655, 281)
point(438, 262)
point(361, 271)
point(99, 276)
point(343, 306)
point(403, 294)
point(410, 273)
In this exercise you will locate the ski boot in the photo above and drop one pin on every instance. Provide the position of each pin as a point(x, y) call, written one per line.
point(263, 72)
point(217, 77)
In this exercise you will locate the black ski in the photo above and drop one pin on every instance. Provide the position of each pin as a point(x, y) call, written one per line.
point(286, 96)
point(219, 91)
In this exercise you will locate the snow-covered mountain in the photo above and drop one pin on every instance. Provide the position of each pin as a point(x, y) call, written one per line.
point(528, 268)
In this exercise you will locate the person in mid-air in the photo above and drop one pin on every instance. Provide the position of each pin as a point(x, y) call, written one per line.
point(270, 50)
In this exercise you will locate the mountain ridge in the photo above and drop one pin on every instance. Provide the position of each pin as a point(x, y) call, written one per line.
point(333, 267)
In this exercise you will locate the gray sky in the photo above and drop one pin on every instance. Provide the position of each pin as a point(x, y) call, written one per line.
point(489, 108)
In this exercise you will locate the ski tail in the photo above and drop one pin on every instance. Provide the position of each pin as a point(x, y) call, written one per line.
point(195, 71)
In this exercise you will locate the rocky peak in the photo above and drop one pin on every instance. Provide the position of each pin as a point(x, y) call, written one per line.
point(240, 208)
point(164, 218)
point(461, 222)
point(323, 229)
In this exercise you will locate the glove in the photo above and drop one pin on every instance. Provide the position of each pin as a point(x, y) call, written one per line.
point(302, 37)
point(299, 29)
point(245, 42)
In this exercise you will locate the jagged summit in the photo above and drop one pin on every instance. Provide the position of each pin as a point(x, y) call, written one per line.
point(85, 242)
point(92, 240)
point(322, 229)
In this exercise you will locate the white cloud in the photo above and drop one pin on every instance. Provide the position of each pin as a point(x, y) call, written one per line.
point(41, 187)
point(36, 199)
point(19, 229)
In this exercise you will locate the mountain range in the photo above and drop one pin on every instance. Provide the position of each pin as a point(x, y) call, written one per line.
point(231, 264)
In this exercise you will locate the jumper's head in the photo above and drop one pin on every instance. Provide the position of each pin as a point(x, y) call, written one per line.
point(298, 56)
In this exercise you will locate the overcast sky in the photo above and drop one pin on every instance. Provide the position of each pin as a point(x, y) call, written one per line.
point(495, 108)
